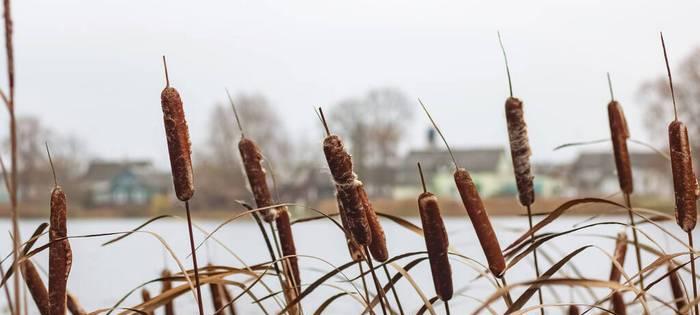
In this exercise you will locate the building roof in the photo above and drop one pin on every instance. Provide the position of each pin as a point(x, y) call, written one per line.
point(605, 161)
point(474, 160)
point(106, 170)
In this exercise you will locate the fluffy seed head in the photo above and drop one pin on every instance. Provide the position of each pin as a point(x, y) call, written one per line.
point(520, 150)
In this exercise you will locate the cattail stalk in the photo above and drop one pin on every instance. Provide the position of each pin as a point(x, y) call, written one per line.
point(520, 153)
point(618, 304)
point(685, 184)
point(179, 150)
point(619, 257)
point(476, 211)
point(36, 286)
point(167, 284)
point(436, 242)
point(216, 298)
point(229, 300)
point(676, 288)
point(619, 133)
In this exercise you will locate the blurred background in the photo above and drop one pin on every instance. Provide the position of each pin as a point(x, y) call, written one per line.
point(89, 78)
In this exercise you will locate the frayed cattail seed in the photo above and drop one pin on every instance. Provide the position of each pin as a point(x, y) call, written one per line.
point(520, 151)
point(36, 286)
point(347, 184)
point(178, 138)
point(475, 209)
point(676, 288)
point(619, 256)
point(284, 231)
point(619, 133)
point(60, 254)
point(354, 249)
point(436, 242)
point(377, 246)
point(167, 284)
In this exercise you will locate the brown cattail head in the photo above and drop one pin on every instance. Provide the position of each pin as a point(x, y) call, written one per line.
point(217, 298)
point(353, 247)
point(676, 287)
point(573, 310)
point(619, 256)
point(346, 183)
point(252, 163)
point(167, 284)
point(685, 183)
point(619, 133)
point(618, 304)
point(284, 231)
point(377, 247)
point(520, 150)
point(229, 300)
point(36, 286)
point(437, 244)
point(60, 254)
point(178, 138)
point(480, 220)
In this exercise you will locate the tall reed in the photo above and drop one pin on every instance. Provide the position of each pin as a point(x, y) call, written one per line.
point(619, 134)
point(685, 184)
point(677, 290)
point(520, 153)
point(436, 242)
point(476, 211)
point(179, 150)
point(619, 257)
point(145, 297)
point(216, 297)
point(167, 284)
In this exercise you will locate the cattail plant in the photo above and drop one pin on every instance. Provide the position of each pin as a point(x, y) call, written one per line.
point(685, 184)
point(676, 287)
point(619, 133)
point(619, 257)
point(167, 284)
point(284, 231)
point(347, 184)
point(573, 310)
point(436, 242)
point(520, 155)
point(36, 286)
point(60, 253)
point(179, 150)
point(378, 245)
point(229, 300)
point(476, 211)
point(145, 297)
point(216, 297)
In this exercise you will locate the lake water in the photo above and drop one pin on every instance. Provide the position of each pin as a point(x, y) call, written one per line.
point(101, 275)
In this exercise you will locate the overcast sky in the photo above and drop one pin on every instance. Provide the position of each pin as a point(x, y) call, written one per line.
point(93, 68)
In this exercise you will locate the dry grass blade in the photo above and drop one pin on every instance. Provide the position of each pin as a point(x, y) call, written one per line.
point(73, 306)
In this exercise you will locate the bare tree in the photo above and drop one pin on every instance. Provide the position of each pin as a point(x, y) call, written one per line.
point(657, 96)
point(34, 172)
point(219, 174)
point(373, 126)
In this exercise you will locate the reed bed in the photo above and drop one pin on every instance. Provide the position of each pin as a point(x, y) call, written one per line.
point(360, 226)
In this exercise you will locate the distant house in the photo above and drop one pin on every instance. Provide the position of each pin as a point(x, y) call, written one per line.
point(490, 169)
point(130, 183)
point(595, 174)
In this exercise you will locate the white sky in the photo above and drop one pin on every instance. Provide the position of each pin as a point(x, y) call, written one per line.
point(93, 68)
